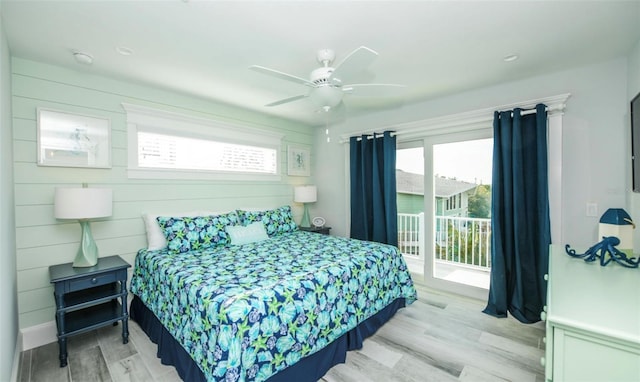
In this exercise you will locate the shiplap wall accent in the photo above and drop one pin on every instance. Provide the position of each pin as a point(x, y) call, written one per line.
point(42, 241)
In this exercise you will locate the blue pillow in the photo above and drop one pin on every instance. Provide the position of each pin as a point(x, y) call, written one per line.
point(279, 220)
point(252, 233)
point(186, 234)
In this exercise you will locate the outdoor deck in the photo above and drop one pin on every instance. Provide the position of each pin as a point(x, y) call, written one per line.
point(451, 271)
point(461, 250)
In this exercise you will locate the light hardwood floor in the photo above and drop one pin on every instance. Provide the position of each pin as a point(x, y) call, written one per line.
point(440, 337)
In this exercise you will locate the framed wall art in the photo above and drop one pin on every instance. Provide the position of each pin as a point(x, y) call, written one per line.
point(298, 161)
point(73, 140)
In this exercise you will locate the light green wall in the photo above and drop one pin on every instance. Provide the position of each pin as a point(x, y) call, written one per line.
point(9, 311)
point(42, 241)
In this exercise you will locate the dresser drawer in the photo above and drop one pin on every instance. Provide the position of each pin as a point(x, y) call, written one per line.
point(91, 281)
point(582, 357)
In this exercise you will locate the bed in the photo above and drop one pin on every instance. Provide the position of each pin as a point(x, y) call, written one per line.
point(284, 307)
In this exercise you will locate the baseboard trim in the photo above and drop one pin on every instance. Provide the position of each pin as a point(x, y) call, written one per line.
point(16, 358)
point(38, 335)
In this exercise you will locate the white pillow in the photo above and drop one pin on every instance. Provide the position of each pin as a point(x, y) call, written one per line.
point(155, 237)
point(247, 234)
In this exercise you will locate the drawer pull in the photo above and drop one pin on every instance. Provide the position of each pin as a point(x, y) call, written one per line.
point(546, 277)
point(543, 316)
point(543, 361)
point(94, 280)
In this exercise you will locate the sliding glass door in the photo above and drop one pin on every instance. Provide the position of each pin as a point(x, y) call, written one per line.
point(462, 221)
point(444, 204)
point(410, 200)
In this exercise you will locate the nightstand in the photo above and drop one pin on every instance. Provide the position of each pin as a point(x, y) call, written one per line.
point(322, 230)
point(89, 298)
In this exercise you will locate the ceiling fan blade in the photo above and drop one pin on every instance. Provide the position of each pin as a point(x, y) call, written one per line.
point(374, 90)
point(284, 76)
point(355, 62)
point(287, 100)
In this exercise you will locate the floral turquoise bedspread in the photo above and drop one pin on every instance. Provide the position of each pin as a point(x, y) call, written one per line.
point(245, 312)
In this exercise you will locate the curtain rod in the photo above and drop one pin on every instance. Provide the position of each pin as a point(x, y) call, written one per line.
point(393, 134)
point(549, 109)
point(481, 117)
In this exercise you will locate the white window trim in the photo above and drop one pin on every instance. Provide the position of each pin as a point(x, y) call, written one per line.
point(141, 118)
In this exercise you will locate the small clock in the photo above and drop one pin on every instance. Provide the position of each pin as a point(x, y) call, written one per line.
point(318, 221)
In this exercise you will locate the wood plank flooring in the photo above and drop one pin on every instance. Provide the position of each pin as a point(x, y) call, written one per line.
point(438, 338)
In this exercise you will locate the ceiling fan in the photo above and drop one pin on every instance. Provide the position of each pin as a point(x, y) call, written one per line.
point(328, 83)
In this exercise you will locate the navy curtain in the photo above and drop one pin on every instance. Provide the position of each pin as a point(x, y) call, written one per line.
point(519, 215)
point(374, 213)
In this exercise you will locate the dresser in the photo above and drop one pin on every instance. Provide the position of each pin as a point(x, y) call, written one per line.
point(89, 298)
point(592, 321)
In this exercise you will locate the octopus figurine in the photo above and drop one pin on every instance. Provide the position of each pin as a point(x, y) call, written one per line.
point(606, 247)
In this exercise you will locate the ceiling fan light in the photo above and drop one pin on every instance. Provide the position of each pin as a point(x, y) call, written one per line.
point(326, 96)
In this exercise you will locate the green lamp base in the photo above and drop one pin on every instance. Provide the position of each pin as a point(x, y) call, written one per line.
point(87, 255)
point(305, 217)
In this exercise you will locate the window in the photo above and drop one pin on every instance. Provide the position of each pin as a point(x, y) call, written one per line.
point(165, 145)
point(175, 152)
point(453, 202)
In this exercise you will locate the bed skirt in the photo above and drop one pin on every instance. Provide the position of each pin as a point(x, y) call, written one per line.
point(310, 368)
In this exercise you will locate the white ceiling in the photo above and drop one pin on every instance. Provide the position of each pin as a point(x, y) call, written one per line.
point(204, 48)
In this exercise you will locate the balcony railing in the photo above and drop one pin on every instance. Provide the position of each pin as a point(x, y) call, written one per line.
point(410, 237)
point(461, 240)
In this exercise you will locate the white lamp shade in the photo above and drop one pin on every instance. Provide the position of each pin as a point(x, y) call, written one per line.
point(305, 194)
point(83, 203)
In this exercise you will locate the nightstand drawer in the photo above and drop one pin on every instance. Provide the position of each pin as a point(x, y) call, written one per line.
point(322, 230)
point(91, 281)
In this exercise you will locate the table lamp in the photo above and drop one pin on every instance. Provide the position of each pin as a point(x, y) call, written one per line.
point(83, 204)
point(305, 195)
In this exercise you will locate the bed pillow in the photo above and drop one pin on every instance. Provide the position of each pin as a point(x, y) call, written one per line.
point(252, 233)
point(186, 234)
point(155, 236)
point(279, 220)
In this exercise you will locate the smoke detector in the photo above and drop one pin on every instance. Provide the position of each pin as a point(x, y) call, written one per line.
point(83, 58)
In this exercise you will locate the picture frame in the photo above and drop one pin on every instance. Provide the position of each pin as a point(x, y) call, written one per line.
point(67, 139)
point(298, 160)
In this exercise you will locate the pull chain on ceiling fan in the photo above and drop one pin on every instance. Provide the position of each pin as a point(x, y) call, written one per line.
point(326, 82)
point(326, 131)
